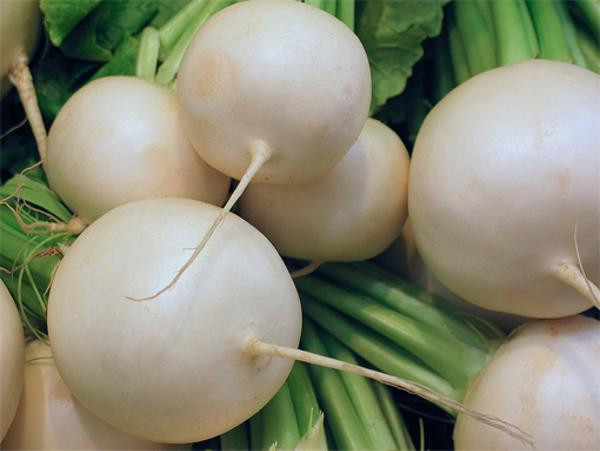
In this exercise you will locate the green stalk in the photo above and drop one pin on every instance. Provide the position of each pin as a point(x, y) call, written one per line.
point(528, 27)
point(303, 397)
point(17, 247)
point(279, 422)
point(457, 53)
point(171, 31)
point(346, 427)
point(26, 306)
point(590, 51)
point(394, 418)
point(363, 397)
point(256, 430)
point(454, 360)
point(346, 12)
point(476, 36)
point(486, 12)
point(403, 297)
point(376, 349)
point(330, 6)
point(316, 3)
point(36, 193)
point(170, 66)
point(570, 34)
point(148, 54)
point(236, 439)
point(513, 42)
point(589, 12)
point(549, 30)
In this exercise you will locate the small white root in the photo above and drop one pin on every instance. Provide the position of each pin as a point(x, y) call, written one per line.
point(256, 347)
point(306, 270)
point(260, 153)
point(20, 76)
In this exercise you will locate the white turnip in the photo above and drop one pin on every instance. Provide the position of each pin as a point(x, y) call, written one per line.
point(353, 212)
point(120, 139)
point(544, 379)
point(505, 170)
point(277, 75)
point(12, 359)
point(272, 91)
point(403, 259)
point(172, 369)
point(197, 360)
point(50, 418)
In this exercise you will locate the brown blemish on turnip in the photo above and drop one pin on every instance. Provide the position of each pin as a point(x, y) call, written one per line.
point(217, 72)
point(533, 375)
point(564, 178)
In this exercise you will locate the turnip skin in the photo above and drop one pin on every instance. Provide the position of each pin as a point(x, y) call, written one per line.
point(173, 369)
point(20, 30)
point(353, 212)
point(402, 258)
point(544, 378)
point(120, 139)
point(504, 169)
point(50, 418)
point(279, 72)
point(12, 359)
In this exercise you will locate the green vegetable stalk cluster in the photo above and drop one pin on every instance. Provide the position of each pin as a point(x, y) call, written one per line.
point(320, 408)
point(33, 236)
point(397, 327)
point(482, 35)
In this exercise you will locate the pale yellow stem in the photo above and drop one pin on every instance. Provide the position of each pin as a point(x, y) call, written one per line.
point(256, 347)
point(20, 76)
point(260, 153)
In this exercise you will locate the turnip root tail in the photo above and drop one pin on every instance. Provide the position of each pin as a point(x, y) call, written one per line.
point(575, 276)
point(572, 275)
point(256, 347)
point(306, 270)
point(20, 76)
point(260, 152)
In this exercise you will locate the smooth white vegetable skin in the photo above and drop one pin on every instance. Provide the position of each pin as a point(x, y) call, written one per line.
point(277, 71)
point(353, 212)
point(171, 369)
point(12, 359)
point(544, 379)
point(503, 169)
point(19, 33)
point(50, 418)
point(120, 139)
point(403, 258)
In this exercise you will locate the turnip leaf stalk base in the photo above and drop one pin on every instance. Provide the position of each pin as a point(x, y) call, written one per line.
point(571, 274)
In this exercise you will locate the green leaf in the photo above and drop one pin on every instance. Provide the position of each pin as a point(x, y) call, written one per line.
point(392, 34)
point(124, 59)
point(61, 16)
point(98, 33)
point(57, 78)
point(95, 37)
point(167, 9)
